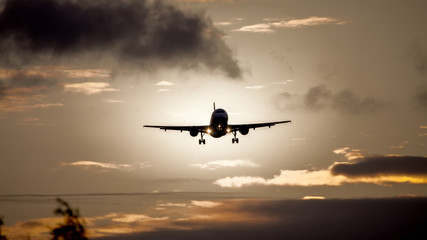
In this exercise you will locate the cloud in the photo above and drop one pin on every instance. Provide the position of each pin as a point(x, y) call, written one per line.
point(165, 83)
point(31, 76)
point(237, 182)
point(321, 97)
point(360, 168)
point(271, 27)
point(401, 145)
point(194, 203)
point(163, 90)
point(130, 218)
point(423, 134)
point(348, 103)
point(48, 105)
point(285, 178)
point(349, 153)
point(223, 23)
point(214, 165)
point(23, 103)
point(205, 204)
point(2, 89)
point(89, 88)
point(21, 92)
point(379, 169)
point(418, 57)
point(246, 219)
point(22, 81)
point(304, 22)
point(109, 100)
point(169, 204)
point(317, 96)
point(32, 227)
point(34, 122)
point(35, 80)
point(87, 73)
point(313, 198)
point(382, 166)
point(257, 28)
point(295, 219)
point(308, 178)
point(256, 87)
point(28, 88)
point(97, 164)
point(421, 99)
point(107, 166)
point(129, 34)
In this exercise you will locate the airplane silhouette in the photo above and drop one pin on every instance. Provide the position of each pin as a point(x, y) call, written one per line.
point(218, 127)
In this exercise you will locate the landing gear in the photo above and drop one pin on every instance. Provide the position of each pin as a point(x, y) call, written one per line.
point(235, 139)
point(201, 140)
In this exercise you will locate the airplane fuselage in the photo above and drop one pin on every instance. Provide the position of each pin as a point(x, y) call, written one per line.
point(218, 126)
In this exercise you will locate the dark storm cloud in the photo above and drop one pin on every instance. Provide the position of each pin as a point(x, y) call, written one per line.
point(396, 218)
point(382, 166)
point(132, 34)
point(345, 101)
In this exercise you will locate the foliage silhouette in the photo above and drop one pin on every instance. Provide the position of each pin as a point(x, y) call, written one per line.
point(2, 237)
point(72, 228)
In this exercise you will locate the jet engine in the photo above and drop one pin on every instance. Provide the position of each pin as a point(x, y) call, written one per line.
point(244, 130)
point(194, 131)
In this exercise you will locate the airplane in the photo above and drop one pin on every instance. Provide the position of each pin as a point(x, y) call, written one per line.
point(218, 127)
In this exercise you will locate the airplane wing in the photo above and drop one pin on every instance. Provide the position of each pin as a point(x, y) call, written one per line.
point(237, 127)
point(203, 128)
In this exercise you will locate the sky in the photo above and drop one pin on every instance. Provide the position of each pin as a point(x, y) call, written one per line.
point(79, 79)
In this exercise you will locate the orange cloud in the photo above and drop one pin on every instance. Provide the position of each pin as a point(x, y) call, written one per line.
point(361, 168)
point(53, 72)
point(89, 88)
point(285, 178)
point(21, 99)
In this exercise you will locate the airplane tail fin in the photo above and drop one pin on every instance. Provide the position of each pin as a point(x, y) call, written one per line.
point(214, 106)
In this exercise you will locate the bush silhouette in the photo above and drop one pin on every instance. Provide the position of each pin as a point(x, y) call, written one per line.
point(2, 237)
point(72, 228)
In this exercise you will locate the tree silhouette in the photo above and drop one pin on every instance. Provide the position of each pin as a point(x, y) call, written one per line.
point(2, 237)
point(72, 228)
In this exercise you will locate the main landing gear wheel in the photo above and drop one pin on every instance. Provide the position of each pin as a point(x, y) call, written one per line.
point(201, 140)
point(235, 139)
